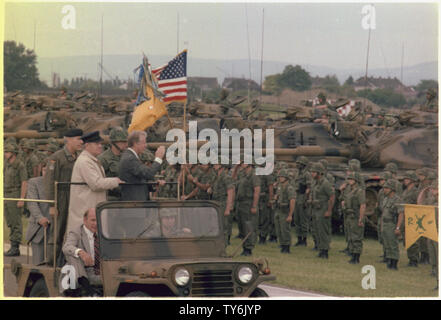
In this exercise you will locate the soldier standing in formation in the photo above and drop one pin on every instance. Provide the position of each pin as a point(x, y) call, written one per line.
point(354, 207)
point(265, 206)
point(409, 196)
point(322, 202)
point(301, 217)
point(391, 219)
point(15, 176)
point(247, 200)
point(285, 199)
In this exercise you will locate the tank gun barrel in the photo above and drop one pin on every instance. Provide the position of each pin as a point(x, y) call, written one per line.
point(30, 134)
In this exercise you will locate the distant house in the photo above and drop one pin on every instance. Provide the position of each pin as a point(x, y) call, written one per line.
point(203, 83)
point(240, 84)
point(384, 83)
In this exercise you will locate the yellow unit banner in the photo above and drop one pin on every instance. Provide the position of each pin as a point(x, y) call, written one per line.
point(420, 221)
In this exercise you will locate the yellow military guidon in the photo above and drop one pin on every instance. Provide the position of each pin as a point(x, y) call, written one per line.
point(419, 221)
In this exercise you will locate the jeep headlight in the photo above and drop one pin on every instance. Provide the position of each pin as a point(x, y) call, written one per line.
point(245, 274)
point(182, 276)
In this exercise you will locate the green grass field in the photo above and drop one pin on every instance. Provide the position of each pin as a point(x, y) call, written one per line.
point(302, 270)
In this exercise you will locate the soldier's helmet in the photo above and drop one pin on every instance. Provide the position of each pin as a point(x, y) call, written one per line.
point(391, 184)
point(411, 175)
point(10, 148)
point(324, 163)
point(30, 144)
point(385, 176)
point(284, 173)
point(431, 92)
point(317, 167)
point(391, 167)
point(52, 147)
point(354, 163)
point(355, 176)
point(321, 96)
point(147, 155)
point(12, 140)
point(118, 135)
point(302, 160)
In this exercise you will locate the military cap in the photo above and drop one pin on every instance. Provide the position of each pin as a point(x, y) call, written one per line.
point(410, 175)
point(385, 176)
point(391, 167)
point(317, 167)
point(354, 162)
point(10, 148)
point(118, 135)
point(284, 173)
point(321, 95)
point(302, 160)
point(340, 103)
point(391, 184)
point(92, 137)
point(74, 132)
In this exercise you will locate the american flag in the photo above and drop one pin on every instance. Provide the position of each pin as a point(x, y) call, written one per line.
point(172, 79)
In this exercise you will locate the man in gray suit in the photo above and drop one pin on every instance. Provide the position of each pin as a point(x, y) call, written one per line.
point(39, 219)
point(132, 170)
point(80, 252)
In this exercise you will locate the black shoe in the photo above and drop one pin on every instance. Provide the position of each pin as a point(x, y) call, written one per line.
point(246, 252)
point(304, 243)
point(262, 240)
point(353, 259)
point(272, 239)
point(239, 236)
point(14, 251)
point(424, 258)
point(394, 264)
point(413, 263)
point(325, 254)
point(285, 249)
point(320, 255)
point(358, 257)
point(228, 240)
point(299, 242)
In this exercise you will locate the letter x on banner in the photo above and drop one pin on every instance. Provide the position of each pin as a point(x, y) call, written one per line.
point(419, 221)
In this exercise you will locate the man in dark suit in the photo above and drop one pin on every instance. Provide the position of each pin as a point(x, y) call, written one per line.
point(132, 170)
point(80, 252)
point(39, 219)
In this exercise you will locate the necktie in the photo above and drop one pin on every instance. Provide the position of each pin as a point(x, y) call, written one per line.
point(96, 246)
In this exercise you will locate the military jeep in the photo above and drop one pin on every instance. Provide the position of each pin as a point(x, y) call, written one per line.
point(158, 249)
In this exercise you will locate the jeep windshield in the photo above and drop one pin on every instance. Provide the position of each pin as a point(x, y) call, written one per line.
point(163, 222)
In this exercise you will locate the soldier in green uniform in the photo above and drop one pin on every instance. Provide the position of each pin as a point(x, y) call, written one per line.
point(247, 201)
point(301, 217)
point(432, 101)
point(353, 166)
point(110, 159)
point(409, 196)
point(391, 220)
point(203, 181)
point(378, 210)
point(190, 189)
point(354, 207)
point(322, 202)
point(171, 174)
point(392, 168)
point(265, 206)
point(15, 177)
point(31, 160)
point(424, 177)
point(285, 203)
point(222, 191)
point(59, 169)
point(327, 174)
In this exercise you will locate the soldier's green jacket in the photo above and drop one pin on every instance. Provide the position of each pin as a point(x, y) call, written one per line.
point(391, 208)
point(221, 185)
point(246, 184)
point(170, 190)
point(30, 161)
point(285, 192)
point(110, 162)
point(353, 199)
point(205, 177)
point(266, 181)
point(59, 168)
point(321, 192)
point(303, 181)
point(14, 174)
point(410, 196)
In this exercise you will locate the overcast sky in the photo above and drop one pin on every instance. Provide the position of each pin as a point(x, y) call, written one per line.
point(322, 34)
